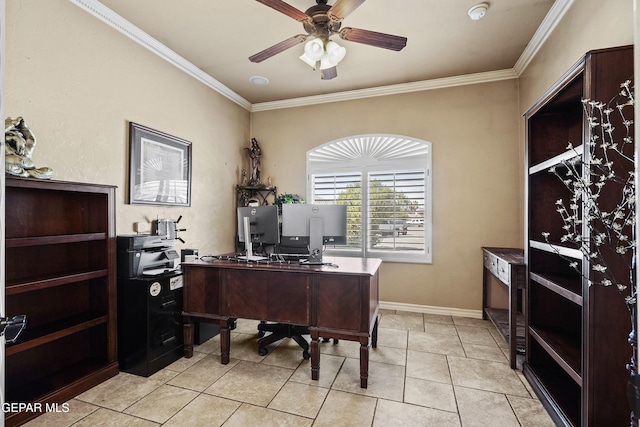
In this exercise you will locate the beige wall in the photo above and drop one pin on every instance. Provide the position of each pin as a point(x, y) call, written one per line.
point(588, 25)
point(474, 131)
point(77, 83)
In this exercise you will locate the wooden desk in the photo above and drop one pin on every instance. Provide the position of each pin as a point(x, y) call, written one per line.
point(508, 266)
point(334, 302)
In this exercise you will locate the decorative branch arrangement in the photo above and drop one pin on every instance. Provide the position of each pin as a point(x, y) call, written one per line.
point(610, 165)
point(600, 217)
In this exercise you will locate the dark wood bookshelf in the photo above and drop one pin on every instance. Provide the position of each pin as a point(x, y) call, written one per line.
point(61, 274)
point(576, 333)
point(565, 286)
point(563, 348)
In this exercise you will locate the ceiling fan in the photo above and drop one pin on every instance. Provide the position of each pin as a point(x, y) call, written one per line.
point(321, 22)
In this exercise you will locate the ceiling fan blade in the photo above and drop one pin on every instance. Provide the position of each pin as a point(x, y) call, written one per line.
point(287, 9)
point(341, 8)
point(329, 73)
point(277, 48)
point(372, 38)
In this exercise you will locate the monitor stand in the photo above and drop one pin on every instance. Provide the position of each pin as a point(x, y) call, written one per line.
point(316, 231)
point(248, 244)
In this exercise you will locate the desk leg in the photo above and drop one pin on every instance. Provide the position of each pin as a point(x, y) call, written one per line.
point(225, 341)
point(513, 327)
point(187, 329)
point(364, 361)
point(315, 355)
point(374, 334)
point(485, 277)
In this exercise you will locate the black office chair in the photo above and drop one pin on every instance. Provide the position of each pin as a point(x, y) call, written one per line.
point(278, 331)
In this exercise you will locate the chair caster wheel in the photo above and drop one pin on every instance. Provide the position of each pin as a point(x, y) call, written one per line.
point(260, 334)
point(306, 355)
point(263, 351)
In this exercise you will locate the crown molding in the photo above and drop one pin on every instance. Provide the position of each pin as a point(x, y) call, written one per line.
point(106, 15)
point(549, 23)
point(490, 76)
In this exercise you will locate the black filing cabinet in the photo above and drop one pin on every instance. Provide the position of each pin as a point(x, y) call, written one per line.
point(150, 333)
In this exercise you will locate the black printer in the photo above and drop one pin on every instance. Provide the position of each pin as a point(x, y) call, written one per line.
point(146, 255)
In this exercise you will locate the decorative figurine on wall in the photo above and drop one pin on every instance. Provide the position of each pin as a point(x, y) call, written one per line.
point(20, 143)
point(255, 153)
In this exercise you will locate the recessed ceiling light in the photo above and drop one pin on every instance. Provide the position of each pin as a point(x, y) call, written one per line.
point(259, 80)
point(478, 11)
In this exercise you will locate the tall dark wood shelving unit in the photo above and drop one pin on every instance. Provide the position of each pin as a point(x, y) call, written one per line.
point(576, 334)
point(60, 272)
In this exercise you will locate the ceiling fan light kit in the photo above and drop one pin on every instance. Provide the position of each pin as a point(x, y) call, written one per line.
point(478, 11)
point(335, 52)
point(310, 62)
point(329, 54)
point(321, 22)
point(314, 49)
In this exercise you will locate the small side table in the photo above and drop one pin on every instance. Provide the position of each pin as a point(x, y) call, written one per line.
point(507, 265)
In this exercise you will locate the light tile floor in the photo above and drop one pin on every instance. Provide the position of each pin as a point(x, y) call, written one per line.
point(428, 370)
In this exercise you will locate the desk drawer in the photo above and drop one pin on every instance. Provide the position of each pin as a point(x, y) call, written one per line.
point(491, 262)
point(504, 271)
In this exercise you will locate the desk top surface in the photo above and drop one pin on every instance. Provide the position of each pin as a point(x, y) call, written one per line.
point(339, 265)
point(510, 255)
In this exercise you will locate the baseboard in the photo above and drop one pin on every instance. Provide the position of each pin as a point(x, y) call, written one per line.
point(429, 309)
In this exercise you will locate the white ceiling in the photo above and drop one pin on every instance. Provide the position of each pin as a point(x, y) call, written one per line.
point(212, 39)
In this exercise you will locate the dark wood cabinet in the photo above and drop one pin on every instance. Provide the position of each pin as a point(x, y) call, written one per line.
point(576, 334)
point(60, 272)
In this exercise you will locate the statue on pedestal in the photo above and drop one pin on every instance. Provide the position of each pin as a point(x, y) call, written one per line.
point(255, 153)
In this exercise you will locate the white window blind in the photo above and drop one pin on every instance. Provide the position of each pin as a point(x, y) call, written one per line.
point(396, 210)
point(385, 182)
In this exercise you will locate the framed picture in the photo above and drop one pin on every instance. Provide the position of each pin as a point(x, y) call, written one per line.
point(159, 168)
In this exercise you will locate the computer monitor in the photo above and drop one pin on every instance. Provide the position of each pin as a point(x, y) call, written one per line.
point(258, 225)
point(316, 225)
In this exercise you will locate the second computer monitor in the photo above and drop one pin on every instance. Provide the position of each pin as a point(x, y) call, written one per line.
point(315, 225)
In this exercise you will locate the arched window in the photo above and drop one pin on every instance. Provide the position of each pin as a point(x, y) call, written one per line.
point(385, 180)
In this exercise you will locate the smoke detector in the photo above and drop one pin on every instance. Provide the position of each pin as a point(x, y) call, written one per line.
point(259, 80)
point(478, 11)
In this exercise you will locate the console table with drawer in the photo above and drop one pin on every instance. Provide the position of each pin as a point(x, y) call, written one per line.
point(507, 265)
